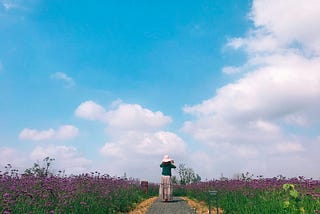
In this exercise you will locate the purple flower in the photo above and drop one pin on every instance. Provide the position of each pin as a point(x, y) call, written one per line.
point(6, 195)
point(83, 203)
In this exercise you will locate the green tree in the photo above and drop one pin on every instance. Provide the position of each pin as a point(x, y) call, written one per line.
point(174, 179)
point(187, 175)
point(40, 170)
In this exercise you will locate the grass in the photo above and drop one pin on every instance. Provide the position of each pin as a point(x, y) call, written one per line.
point(243, 196)
point(201, 207)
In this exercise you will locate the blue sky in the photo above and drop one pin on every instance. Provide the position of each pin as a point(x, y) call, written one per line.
point(223, 86)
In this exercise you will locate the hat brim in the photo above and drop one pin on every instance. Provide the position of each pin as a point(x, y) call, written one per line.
point(166, 160)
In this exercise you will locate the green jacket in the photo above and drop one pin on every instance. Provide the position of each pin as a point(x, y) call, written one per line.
point(166, 168)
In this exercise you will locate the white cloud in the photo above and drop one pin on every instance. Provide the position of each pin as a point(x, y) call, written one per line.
point(141, 149)
point(123, 116)
point(146, 143)
point(91, 111)
point(290, 85)
point(288, 147)
point(289, 21)
point(66, 158)
point(134, 117)
point(256, 118)
point(67, 132)
point(63, 77)
point(256, 42)
point(33, 134)
point(231, 70)
point(281, 26)
point(63, 133)
point(11, 156)
point(135, 137)
point(265, 126)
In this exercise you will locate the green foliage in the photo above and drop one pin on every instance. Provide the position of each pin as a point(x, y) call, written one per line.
point(41, 170)
point(174, 179)
point(293, 193)
point(292, 199)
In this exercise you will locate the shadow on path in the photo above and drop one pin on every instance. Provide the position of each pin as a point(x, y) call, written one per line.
point(175, 200)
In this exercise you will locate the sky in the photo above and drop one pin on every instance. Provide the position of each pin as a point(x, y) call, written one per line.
point(224, 87)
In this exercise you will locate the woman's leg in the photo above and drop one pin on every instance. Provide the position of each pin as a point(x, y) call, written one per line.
point(170, 189)
point(167, 188)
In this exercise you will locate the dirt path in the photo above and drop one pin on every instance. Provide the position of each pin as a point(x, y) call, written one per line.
point(176, 206)
point(179, 205)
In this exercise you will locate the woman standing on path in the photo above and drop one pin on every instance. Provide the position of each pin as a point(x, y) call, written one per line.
point(165, 190)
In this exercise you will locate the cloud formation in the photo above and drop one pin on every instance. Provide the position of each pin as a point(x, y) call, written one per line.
point(63, 77)
point(11, 156)
point(123, 116)
point(298, 25)
point(278, 92)
point(136, 137)
point(66, 158)
point(63, 133)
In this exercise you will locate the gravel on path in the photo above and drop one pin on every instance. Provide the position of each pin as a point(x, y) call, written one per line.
point(176, 206)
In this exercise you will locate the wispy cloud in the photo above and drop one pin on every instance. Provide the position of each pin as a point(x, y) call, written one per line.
point(9, 5)
point(63, 133)
point(63, 77)
point(231, 70)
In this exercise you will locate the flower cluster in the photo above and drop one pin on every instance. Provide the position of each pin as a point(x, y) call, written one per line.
point(86, 193)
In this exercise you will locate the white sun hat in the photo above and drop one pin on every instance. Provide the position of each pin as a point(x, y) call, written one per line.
point(166, 158)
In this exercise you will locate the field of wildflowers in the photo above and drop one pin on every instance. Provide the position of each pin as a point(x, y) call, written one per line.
point(41, 192)
point(261, 195)
point(87, 193)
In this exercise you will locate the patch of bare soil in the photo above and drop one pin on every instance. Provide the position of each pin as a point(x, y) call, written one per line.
point(201, 207)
